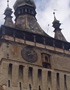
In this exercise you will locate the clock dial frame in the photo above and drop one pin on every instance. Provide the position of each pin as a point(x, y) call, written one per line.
point(29, 54)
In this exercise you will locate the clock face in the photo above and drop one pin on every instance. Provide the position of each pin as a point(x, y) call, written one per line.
point(29, 54)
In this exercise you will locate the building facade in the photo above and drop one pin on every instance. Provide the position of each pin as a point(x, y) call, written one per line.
point(30, 59)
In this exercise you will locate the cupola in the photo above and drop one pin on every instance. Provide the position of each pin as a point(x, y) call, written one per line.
point(25, 12)
point(24, 7)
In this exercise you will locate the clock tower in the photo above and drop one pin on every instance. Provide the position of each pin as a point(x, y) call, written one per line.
point(30, 59)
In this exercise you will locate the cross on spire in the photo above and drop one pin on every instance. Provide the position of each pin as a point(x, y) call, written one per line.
point(7, 3)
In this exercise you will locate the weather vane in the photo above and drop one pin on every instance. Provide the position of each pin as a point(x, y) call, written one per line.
point(54, 14)
point(7, 3)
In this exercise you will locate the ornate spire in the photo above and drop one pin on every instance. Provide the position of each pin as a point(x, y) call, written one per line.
point(8, 17)
point(8, 10)
point(58, 33)
point(56, 23)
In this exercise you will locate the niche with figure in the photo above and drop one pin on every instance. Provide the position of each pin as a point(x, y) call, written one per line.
point(46, 62)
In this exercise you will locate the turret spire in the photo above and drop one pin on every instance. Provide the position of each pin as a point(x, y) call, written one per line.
point(56, 23)
point(8, 17)
point(57, 29)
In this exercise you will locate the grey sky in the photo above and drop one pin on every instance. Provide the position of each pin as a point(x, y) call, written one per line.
point(44, 16)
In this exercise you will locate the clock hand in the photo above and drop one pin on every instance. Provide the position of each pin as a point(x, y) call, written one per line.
point(30, 54)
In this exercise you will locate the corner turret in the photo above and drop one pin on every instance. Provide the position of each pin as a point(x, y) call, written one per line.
point(57, 29)
point(8, 18)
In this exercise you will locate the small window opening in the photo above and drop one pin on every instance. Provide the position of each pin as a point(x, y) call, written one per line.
point(30, 72)
point(39, 88)
point(58, 82)
point(65, 84)
point(8, 83)
point(20, 86)
point(29, 86)
point(48, 88)
point(49, 76)
point(39, 73)
point(21, 71)
point(10, 70)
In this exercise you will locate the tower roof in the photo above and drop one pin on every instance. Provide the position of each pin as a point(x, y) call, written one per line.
point(25, 16)
point(19, 3)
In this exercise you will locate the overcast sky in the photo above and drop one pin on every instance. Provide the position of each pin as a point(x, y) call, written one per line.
point(45, 16)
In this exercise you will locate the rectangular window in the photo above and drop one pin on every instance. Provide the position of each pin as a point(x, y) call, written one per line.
point(39, 73)
point(30, 72)
point(29, 86)
point(39, 76)
point(49, 77)
point(21, 72)
point(48, 88)
point(20, 86)
point(10, 70)
point(65, 84)
point(58, 81)
point(39, 88)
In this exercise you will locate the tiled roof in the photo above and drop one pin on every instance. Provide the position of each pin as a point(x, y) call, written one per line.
point(29, 23)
